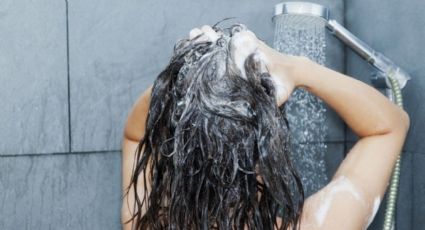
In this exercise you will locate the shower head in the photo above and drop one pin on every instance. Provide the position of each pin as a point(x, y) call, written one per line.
point(303, 13)
point(303, 8)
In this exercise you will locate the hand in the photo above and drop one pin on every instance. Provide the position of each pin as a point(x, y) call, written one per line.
point(206, 33)
point(243, 43)
point(279, 66)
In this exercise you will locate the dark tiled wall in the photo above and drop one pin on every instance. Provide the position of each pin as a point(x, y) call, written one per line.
point(62, 191)
point(33, 74)
point(71, 70)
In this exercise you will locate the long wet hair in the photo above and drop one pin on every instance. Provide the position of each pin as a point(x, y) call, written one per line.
point(215, 154)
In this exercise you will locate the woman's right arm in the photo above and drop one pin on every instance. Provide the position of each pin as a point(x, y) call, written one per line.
point(133, 132)
point(353, 195)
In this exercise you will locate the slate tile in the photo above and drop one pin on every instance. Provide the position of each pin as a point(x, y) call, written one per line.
point(333, 158)
point(418, 209)
point(63, 191)
point(33, 76)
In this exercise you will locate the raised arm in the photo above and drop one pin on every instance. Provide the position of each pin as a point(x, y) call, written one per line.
point(353, 196)
point(133, 132)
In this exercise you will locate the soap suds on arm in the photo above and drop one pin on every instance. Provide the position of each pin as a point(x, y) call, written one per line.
point(374, 210)
point(340, 202)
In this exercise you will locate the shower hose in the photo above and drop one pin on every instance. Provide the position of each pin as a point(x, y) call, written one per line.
point(389, 217)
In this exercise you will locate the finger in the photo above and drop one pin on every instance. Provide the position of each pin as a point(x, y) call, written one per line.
point(210, 33)
point(195, 32)
point(250, 33)
point(199, 35)
point(206, 28)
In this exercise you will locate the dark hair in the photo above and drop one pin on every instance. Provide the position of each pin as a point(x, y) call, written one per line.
point(218, 145)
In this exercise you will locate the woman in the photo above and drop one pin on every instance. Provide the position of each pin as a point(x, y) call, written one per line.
point(349, 201)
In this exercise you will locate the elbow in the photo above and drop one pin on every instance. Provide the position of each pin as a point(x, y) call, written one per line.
point(397, 123)
point(405, 120)
point(403, 123)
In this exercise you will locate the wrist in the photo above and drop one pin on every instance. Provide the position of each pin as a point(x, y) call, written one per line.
point(293, 67)
point(300, 70)
point(284, 65)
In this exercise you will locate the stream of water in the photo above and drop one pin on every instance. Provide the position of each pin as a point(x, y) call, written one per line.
point(305, 36)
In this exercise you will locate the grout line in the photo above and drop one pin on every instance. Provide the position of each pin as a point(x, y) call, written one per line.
point(68, 79)
point(60, 153)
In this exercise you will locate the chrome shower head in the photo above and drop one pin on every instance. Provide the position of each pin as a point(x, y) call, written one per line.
point(303, 8)
point(303, 13)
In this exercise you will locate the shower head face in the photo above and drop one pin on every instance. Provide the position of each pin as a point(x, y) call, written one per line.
point(301, 8)
point(300, 29)
point(300, 35)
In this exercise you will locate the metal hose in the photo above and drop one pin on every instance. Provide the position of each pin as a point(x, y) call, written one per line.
point(389, 218)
